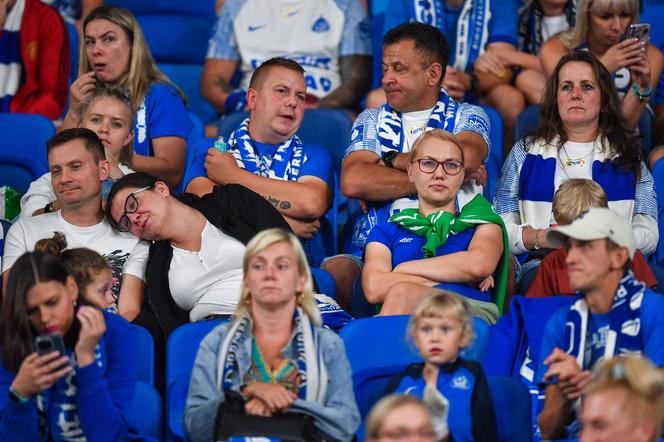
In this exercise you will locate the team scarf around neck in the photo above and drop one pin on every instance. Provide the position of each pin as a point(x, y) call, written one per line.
point(438, 226)
point(624, 336)
point(390, 130)
point(310, 364)
point(472, 29)
point(530, 25)
point(284, 165)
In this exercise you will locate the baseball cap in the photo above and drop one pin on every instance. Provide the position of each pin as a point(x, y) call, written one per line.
point(596, 223)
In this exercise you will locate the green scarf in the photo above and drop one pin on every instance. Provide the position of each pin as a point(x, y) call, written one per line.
point(437, 227)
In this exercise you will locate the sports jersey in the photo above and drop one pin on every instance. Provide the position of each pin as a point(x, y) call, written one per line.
point(313, 33)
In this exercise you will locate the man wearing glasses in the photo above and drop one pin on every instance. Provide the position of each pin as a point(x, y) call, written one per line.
point(77, 164)
point(374, 169)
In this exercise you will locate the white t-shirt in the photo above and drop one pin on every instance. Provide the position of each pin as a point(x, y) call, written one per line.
point(574, 160)
point(207, 282)
point(551, 25)
point(415, 124)
point(124, 252)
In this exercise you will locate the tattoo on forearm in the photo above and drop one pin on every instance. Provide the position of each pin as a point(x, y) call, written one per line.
point(285, 205)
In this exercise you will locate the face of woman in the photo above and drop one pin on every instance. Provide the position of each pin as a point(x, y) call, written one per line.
point(144, 208)
point(409, 423)
point(605, 419)
point(273, 277)
point(108, 50)
point(608, 28)
point(50, 306)
point(579, 98)
point(442, 185)
point(111, 120)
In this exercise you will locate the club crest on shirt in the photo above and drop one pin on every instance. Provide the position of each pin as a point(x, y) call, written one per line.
point(461, 382)
point(321, 25)
point(570, 162)
point(405, 240)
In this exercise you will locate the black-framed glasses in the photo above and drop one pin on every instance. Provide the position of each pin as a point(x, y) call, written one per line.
point(451, 167)
point(130, 206)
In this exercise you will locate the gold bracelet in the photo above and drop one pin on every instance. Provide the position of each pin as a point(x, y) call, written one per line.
point(536, 245)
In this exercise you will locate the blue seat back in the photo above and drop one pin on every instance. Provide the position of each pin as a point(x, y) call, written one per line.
point(73, 52)
point(377, 32)
point(146, 352)
point(187, 77)
point(146, 412)
point(496, 158)
point(325, 282)
point(377, 349)
point(181, 350)
point(658, 175)
point(23, 148)
point(185, 41)
point(528, 121)
point(511, 403)
point(201, 8)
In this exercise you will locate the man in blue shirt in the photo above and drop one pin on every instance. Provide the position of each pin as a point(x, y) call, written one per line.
point(614, 315)
point(265, 155)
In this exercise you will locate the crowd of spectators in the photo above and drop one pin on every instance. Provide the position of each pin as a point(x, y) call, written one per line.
point(114, 234)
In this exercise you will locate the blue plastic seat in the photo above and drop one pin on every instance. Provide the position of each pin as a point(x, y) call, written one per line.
point(146, 412)
point(201, 8)
point(377, 32)
point(146, 352)
point(496, 157)
point(658, 175)
point(181, 350)
point(528, 121)
point(325, 282)
point(377, 349)
point(187, 77)
point(176, 38)
point(511, 403)
point(23, 149)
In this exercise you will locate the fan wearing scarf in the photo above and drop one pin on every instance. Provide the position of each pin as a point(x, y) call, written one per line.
point(274, 351)
point(84, 394)
point(375, 166)
point(265, 155)
point(614, 314)
point(436, 245)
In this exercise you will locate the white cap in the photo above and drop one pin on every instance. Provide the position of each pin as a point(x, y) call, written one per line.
point(596, 223)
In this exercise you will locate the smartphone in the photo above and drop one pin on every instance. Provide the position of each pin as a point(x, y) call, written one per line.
point(640, 31)
point(49, 343)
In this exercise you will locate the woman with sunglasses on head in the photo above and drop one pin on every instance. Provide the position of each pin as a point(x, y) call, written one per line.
point(194, 271)
point(436, 245)
point(85, 393)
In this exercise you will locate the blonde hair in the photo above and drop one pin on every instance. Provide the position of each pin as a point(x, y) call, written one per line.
point(578, 35)
point(260, 242)
point(574, 197)
point(438, 134)
point(379, 412)
point(443, 304)
point(143, 70)
point(642, 383)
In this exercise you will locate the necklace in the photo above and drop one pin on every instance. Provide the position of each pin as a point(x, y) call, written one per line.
point(571, 162)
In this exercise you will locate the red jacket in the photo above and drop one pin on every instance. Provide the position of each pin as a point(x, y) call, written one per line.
point(46, 62)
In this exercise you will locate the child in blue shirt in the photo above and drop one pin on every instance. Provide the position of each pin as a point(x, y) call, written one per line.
point(455, 390)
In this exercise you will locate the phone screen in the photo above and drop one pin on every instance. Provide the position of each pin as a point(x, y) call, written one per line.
point(49, 343)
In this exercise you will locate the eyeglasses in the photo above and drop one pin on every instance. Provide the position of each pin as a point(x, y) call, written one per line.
point(130, 206)
point(451, 167)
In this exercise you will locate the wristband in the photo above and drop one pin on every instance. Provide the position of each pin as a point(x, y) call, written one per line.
point(642, 96)
point(17, 397)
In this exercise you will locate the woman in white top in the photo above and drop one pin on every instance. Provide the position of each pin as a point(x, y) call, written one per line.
point(582, 134)
point(109, 114)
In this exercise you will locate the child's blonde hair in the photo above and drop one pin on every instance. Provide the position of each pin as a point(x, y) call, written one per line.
point(574, 197)
point(443, 304)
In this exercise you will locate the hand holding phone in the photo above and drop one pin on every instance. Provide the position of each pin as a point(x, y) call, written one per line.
point(40, 370)
point(640, 31)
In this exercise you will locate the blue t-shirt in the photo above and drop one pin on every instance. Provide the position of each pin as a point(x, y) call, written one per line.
point(502, 24)
point(652, 317)
point(162, 114)
point(406, 246)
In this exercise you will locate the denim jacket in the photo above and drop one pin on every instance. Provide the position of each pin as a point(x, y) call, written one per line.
point(337, 418)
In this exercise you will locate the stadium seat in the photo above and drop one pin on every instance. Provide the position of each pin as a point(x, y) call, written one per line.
point(528, 121)
point(494, 162)
point(511, 403)
point(201, 8)
point(377, 349)
point(196, 143)
point(377, 24)
point(185, 41)
point(324, 282)
point(73, 51)
point(146, 351)
point(658, 175)
point(187, 77)
point(23, 149)
point(181, 350)
point(146, 412)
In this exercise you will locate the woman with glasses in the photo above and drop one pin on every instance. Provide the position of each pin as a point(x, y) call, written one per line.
point(437, 245)
point(194, 271)
point(582, 134)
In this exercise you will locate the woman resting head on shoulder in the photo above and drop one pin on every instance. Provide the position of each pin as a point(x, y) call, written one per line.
point(274, 351)
point(92, 373)
point(625, 401)
point(399, 417)
point(114, 52)
point(438, 244)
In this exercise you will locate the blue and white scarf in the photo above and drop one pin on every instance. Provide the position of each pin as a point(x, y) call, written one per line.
point(624, 336)
point(472, 27)
point(10, 53)
point(284, 165)
point(537, 182)
point(390, 131)
point(310, 364)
